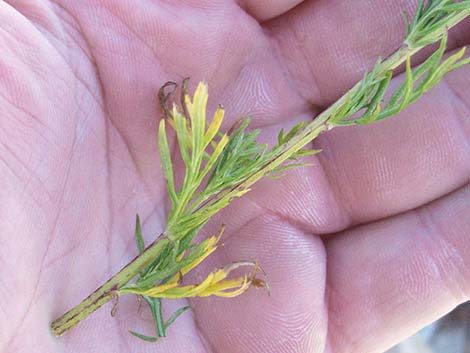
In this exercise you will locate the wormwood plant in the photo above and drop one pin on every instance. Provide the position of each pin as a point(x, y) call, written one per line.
point(219, 167)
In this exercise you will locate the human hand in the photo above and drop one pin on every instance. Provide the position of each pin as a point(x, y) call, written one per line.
point(361, 250)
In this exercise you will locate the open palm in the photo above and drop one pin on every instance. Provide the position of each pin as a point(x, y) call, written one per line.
point(361, 250)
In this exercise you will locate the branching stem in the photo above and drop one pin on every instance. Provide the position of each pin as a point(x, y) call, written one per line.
point(107, 291)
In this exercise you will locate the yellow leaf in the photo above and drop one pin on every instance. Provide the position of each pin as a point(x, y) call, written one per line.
point(214, 126)
point(214, 284)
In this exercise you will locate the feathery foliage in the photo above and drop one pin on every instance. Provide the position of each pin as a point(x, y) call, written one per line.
point(432, 20)
point(370, 95)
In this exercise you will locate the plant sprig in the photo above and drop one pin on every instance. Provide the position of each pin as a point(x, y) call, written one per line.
point(219, 167)
point(432, 20)
point(370, 95)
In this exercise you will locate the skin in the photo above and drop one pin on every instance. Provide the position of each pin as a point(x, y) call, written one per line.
point(361, 250)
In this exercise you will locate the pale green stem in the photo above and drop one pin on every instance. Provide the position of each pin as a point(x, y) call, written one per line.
point(108, 290)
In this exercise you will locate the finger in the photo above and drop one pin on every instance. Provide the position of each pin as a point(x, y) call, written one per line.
point(293, 318)
point(264, 10)
point(389, 279)
point(328, 45)
point(398, 164)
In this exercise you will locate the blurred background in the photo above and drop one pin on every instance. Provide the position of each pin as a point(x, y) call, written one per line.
point(451, 334)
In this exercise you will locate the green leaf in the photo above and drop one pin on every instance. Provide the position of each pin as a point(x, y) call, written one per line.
point(282, 139)
point(407, 23)
point(373, 108)
point(175, 315)
point(138, 235)
point(408, 85)
point(182, 134)
point(159, 274)
point(143, 337)
point(167, 164)
point(214, 157)
point(461, 63)
point(306, 153)
point(241, 155)
point(155, 305)
point(342, 112)
point(448, 65)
